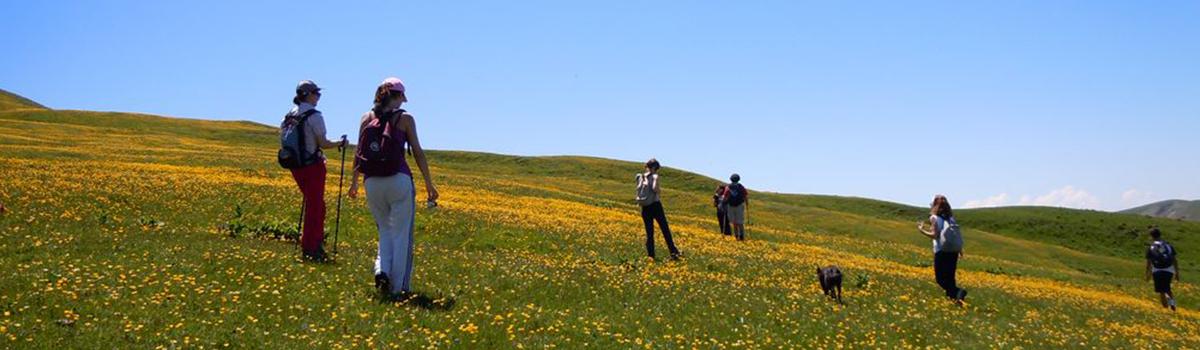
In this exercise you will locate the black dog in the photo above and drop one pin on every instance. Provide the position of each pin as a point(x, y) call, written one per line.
point(831, 279)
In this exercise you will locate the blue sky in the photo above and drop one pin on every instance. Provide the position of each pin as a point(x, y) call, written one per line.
point(1088, 104)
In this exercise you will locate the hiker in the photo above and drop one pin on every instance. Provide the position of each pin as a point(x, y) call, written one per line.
point(648, 197)
point(308, 167)
point(722, 209)
point(737, 201)
point(947, 246)
point(391, 197)
point(1162, 265)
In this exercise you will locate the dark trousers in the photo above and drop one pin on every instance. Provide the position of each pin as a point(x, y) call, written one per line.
point(945, 264)
point(650, 214)
point(723, 222)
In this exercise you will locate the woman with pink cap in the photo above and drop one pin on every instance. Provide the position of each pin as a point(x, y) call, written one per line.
point(383, 134)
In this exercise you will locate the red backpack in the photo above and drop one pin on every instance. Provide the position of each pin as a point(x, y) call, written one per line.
point(380, 149)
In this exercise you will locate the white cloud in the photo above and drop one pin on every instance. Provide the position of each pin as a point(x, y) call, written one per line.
point(1135, 197)
point(993, 201)
point(1066, 197)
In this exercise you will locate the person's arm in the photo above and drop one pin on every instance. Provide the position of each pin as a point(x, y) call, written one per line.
point(1147, 270)
point(654, 183)
point(410, 128)
point(354, 171)
point(317, 123)
point(930, 232)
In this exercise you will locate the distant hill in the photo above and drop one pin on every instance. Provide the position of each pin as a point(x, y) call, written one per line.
point(1171, 209)
point(9, 101)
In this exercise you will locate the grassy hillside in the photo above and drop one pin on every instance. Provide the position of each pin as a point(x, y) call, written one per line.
point(1172, 209)
point(135, 231)
point(9, 101)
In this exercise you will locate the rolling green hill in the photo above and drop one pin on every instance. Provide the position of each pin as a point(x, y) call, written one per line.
point(137, 231)
point(1171, 209)
point(10, 100)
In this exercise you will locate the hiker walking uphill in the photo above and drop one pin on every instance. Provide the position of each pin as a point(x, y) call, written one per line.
point(947, 247)
point(391, 197)
point(737, 201)
point(722, 210)
point(302, 136)
point(648, 191)
point(1162, 265)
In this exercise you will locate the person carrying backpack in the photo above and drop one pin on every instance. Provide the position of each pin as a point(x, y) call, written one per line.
point(302, 136)
point(947, 247)
point(391, 197)
point(1162, 264)
point(648, 191)
point(737, 201)
point(722, 210)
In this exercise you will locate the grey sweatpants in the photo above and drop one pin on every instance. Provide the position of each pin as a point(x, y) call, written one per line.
point(392, 203)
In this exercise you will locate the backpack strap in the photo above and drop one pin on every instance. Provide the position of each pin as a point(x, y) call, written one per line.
point(300, 121)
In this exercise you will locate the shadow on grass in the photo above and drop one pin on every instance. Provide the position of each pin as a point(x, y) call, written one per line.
point(420, 300)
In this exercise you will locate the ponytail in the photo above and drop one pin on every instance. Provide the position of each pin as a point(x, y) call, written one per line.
point(382, 96)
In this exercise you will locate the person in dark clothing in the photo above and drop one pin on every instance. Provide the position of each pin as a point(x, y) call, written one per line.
point(652, 209)
point(722, 210)
point(1162, 264)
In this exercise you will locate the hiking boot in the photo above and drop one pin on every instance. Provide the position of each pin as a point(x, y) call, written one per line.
point(962, 295)
point(317, 256)
point(676, 256)
point(382, 283)
point(1171, 302)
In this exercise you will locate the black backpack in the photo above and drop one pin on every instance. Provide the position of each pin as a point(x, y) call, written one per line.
point(1162, 255)
point(293, 154)
point(737, 195)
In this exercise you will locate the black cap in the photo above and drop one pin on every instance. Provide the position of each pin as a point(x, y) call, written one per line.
point(306, 87)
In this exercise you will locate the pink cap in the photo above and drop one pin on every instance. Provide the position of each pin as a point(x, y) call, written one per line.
point(394, 84)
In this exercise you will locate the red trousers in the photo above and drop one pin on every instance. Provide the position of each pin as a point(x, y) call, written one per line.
point(311, 180)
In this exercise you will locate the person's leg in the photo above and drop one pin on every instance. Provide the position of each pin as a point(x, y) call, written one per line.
point(952, 277)
point(660, 215)
point(720, 221)
point(941, 271)
point(378, 193)
point(649, 221)
point(737, 216)
point(1162, 286)
point(403, 214)
point(313, 189)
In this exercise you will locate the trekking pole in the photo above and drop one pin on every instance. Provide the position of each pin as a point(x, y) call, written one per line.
point(337, 226)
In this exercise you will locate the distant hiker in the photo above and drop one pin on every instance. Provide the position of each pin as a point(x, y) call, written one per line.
point(722, 210)
point(947, 246)
point(737, 201)
point(1162, 265)
point(302, 136)
point(383, 134)
point(648, 191)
